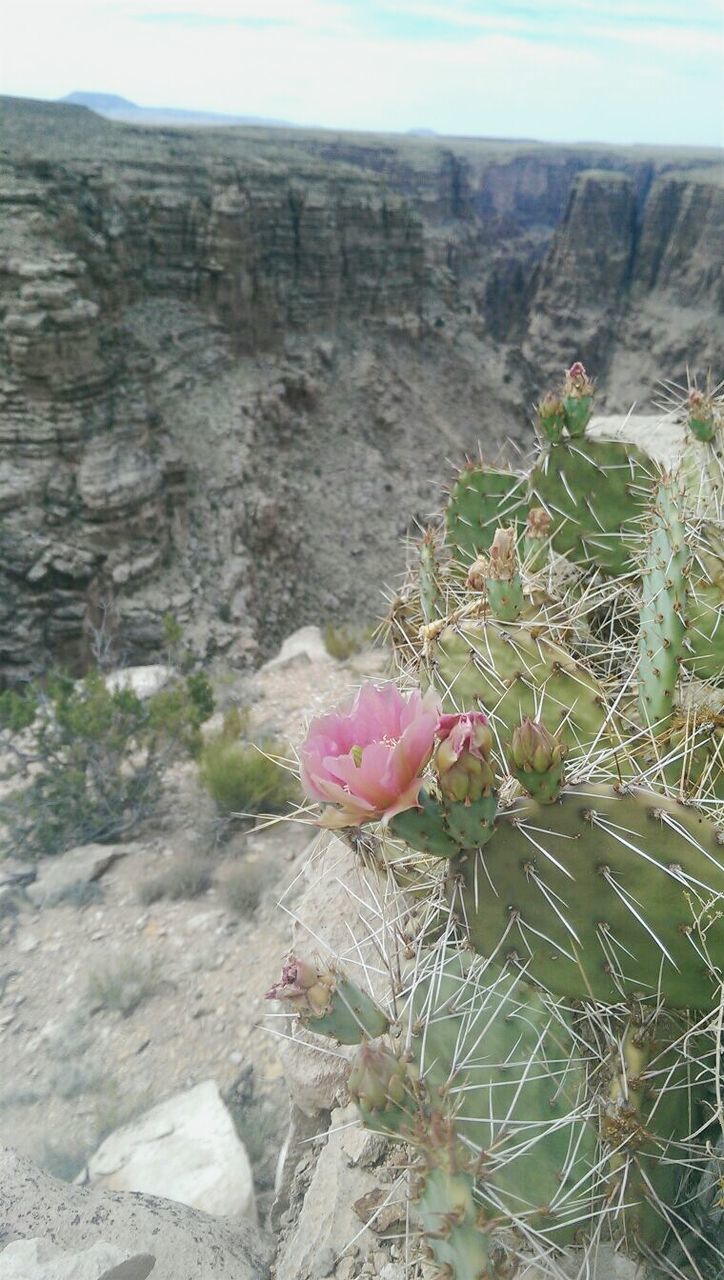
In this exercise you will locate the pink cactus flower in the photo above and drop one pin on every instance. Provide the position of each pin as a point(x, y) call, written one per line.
point(366, 762)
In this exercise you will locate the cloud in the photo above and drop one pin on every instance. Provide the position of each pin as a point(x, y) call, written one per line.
point(583, 70)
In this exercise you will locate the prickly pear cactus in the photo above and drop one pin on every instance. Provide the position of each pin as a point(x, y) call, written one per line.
point(550, 820)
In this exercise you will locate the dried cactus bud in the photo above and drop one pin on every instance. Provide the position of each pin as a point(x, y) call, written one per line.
point(551, 414)
point(503, 558)
point(462, 760)
point(537, 758)
point(305, 988)
point(539, 523)
point(477, 573)
point(702, 415)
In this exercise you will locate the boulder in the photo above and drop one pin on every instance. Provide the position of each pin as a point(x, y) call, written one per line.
point(143, 681)
point(185, 1149)
point(327, 1227)
point(81, 865)
point(336, 916)
point(15, 874)
point(663, 438)
point(39, 1259)
point(185, 1243)
point(305, 645)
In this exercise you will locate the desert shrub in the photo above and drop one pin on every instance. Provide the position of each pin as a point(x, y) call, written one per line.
point(242, 887)
point(99, 757)
point(236, 723)
point(73, 1079)
point(245, 777)
point(17, 708)
point(187, 877)
point(344, 642)
point(122, 984)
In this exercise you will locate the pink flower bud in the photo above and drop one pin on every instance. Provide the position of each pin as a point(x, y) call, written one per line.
point(534, 748)
point(577, 381)
point(378, 1079)
point(462, 759)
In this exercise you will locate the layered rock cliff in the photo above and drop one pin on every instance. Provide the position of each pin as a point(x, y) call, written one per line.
point(233, 364)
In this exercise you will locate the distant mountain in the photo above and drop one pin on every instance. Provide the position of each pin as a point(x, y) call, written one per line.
point(102, 102)
point(113, 107)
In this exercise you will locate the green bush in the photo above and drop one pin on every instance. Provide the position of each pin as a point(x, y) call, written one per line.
point(17, 708)
point(101, 755)
point(245, 778)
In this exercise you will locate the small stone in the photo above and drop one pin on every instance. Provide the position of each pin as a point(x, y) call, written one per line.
point(324, 1265)
point(27, 942)
point(362, 1147)
point(345, 1269)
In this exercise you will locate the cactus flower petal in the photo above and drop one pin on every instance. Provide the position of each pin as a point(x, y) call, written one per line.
point(366, 762)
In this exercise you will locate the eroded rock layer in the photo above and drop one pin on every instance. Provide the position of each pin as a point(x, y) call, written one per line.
point(233, 363)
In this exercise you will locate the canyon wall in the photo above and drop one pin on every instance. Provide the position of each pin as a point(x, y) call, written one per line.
point(235, 364)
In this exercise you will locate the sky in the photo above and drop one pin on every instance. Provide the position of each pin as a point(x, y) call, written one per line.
point(624, 71)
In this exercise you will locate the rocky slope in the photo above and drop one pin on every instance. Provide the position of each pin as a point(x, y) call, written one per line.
point(233, 364)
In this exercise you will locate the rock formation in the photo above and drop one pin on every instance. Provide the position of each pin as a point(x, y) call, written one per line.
point(226, 356)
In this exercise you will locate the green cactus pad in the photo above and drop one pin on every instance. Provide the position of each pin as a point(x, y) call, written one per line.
point(703, 652)
point(578, 413)
point(352, 1016)
point(444, 1198)
point(481, 498)
point(505, 598)
point(645, 1128)
point(442, 828)
point(595, 491)
point(424, 828)
point(511, 671)
point(605, 895)
point(472, 824)
point(664, 574)
point(500, 1058)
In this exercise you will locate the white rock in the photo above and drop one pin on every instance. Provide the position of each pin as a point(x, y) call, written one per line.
point(328, 1224)
point(661, 437)
point(604, 1264)
point(26, 943)
point(183, 1243)
point(39, 1259)
point(338, 911)
point(306, 644)
point(143, 681)
point(184, 1149)
point(80, 865)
